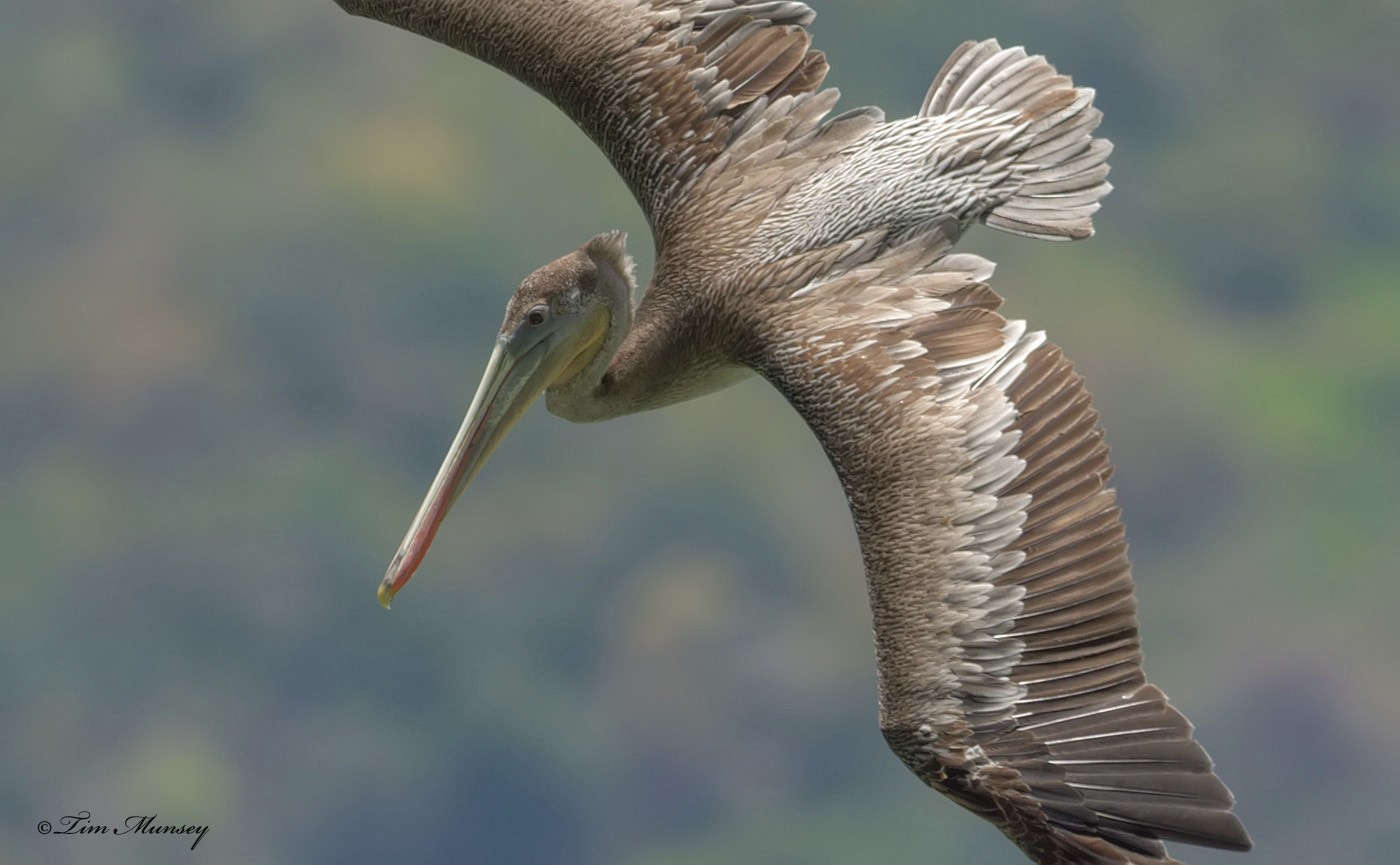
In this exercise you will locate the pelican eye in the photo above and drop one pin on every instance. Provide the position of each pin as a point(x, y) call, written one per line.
point(537, 316)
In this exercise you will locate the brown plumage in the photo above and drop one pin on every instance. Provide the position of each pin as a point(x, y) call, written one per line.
point(816, 252)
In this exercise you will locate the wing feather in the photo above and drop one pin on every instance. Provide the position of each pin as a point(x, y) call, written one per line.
point(661, 86)
point(1010, 669)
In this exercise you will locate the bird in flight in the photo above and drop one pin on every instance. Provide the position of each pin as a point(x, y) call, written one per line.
point(816, 251)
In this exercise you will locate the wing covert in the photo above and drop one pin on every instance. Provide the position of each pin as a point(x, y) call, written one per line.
point(659, 85)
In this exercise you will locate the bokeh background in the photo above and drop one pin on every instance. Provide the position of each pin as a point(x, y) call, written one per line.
point(252, 256)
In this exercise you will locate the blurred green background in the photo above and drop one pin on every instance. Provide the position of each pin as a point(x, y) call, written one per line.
point(253, 255)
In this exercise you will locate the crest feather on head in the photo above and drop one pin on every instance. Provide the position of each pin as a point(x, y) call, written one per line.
point(610, 251)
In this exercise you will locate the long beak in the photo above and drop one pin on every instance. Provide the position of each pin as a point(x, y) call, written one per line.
point(512, 381)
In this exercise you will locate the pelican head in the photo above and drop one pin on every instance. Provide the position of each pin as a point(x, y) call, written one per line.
point(562, 326)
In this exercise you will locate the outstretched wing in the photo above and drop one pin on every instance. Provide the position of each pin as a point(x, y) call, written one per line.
point(1010, 670)
point(659, 85)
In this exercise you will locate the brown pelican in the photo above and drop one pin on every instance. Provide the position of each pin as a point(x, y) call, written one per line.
point(815, 252)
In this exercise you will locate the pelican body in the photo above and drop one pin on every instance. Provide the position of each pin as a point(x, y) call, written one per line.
point(816, 252)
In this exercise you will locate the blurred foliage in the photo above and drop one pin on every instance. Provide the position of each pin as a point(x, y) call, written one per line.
point(253, 255)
